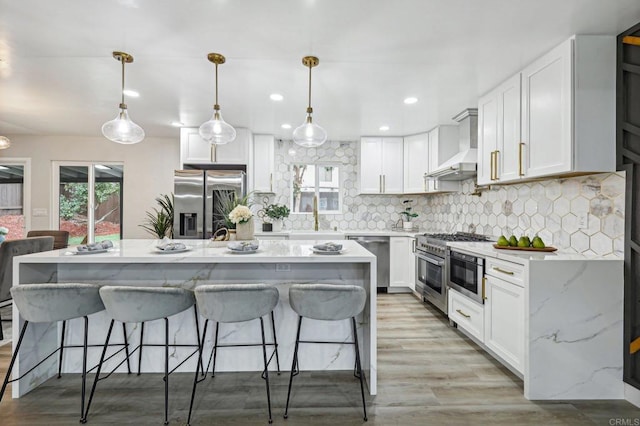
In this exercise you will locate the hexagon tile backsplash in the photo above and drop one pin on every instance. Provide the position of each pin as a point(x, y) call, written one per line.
point(555, 209)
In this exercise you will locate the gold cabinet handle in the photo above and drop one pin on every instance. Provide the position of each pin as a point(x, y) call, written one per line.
point(495, 268)
point(495, 164)
point(463, 314)
point(520, 171)
point(491, 166)
point(214, 154)
point(484, 284)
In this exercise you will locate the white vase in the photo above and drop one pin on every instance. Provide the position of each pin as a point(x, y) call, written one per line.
point(407, 225)
point(277, 225)
point(244, 231)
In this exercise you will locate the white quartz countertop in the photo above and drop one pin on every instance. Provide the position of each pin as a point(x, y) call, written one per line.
point(363, 232)
point(204, 251)
point(487, 249)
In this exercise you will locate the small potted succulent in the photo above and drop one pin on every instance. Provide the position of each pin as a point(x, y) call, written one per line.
point(407, 214)
point(276, 213)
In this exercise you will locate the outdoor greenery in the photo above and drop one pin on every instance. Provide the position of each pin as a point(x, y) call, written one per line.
point(75, 196)
point(159, 222)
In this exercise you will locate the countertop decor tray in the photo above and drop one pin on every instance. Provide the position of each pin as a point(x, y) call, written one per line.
point(547, 249)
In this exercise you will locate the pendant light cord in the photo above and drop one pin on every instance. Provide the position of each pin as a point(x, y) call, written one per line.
point(122, 61)
point(309, 108)
point(216, 104)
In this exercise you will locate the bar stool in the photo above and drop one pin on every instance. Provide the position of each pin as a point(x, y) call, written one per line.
point(46, 303)
point(138, 305)
point(230, 303)
point(327, 302)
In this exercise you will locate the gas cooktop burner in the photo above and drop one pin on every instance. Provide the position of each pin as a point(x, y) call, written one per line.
point(458, 236)
point(436, 244)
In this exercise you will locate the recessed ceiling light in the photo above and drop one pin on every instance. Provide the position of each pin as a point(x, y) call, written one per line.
point(131, 93)
point(410, 100)
point(276, 97)
point(286, 126)
point(177, 124)
point(384, 128)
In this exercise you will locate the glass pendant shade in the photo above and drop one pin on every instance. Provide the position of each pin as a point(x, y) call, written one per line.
point(217, 131)
point(4, 142)
point(122, 130)
point(309, 134)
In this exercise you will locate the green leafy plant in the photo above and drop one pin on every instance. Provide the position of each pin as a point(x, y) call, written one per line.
point(227, 201)
point(407, 213)
point(159, 222)
point(276, 211)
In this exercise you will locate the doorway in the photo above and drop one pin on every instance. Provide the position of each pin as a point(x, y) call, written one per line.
point(15, 196)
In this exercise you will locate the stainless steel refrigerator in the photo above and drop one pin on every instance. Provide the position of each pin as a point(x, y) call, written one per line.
point(198, 200)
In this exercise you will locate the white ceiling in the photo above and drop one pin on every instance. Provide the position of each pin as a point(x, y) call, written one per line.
point(58, 77)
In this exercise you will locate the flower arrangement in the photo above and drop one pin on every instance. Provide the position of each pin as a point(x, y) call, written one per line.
point(3, 230)
point(240, 214)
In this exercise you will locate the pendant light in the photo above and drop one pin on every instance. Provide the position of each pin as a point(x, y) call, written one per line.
point(121, 129)
point(216, 131)
point(309, 134)
point(4, 142)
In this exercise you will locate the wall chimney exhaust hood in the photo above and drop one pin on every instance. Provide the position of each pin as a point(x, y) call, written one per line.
point(463, 165)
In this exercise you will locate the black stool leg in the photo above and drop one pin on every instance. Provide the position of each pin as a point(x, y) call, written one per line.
point(195, 379)
point(195, 311)
point(64, 329)
point(294, 366)
point(140, 350)
point(360, 374)
point(266, 368)
point(84, 363)
point(126, 347)
point(215, 351)
point(13, 360)
point(95, 381)
point(166, 371)
point(275, 341)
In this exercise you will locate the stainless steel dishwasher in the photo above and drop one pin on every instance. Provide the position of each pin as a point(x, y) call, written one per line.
point(380, 247)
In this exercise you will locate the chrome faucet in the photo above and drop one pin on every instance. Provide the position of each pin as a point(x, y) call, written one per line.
point(315, 212)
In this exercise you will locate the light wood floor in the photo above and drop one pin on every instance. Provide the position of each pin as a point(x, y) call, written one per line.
point(428, 374)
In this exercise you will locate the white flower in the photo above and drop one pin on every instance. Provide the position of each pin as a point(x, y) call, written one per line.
point(240, 214)
point(3, 230)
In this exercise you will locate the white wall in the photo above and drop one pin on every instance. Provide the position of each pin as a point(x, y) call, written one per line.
point(148, 171)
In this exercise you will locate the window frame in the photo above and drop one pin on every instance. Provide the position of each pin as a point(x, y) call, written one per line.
point(317, 167)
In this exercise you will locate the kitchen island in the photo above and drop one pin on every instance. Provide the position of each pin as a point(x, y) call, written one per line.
point(139, 263)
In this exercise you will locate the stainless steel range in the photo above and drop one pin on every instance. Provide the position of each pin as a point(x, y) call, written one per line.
point(431, 268)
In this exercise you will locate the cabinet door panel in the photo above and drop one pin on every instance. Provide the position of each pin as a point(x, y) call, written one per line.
point(487, 135)
point(547, 112)
point(504, 321)
point(392, 165)
point(370, 165)
point(194, 149)
point(235, 152)
point(416, 162)
point(509, 102)
point(263, 163)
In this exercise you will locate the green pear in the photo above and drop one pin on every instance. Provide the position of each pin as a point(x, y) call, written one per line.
point(502, 241)
point(513, 241)
point(537, 242)
point(524, 241)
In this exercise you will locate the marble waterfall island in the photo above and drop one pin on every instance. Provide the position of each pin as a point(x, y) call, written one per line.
point(138, 263)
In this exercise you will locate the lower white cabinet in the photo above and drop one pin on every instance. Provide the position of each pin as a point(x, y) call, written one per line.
point(402, 263)
point(467, 313)
point(504, 320)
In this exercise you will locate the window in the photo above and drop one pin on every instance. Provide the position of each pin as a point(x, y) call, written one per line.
point(14, 198)
point(315, 180)
point(89, 201)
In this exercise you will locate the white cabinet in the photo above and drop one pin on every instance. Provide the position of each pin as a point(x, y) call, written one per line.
point(467, 313)
point(263, 162)
point(195, 150)
point(416, 163)
point(557, 116)
point(402, 263)
point(381, 165)
point(424, 153)
point(499, 129)
point(504, 320)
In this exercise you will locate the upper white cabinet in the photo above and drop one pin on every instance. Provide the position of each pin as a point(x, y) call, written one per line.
point(195, 150)
point(263, 163)
point(557, 116)
point(424, 153)
point(381, 165)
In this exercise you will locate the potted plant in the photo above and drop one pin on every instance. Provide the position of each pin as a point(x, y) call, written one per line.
point(160, 222)
point(276, 213)
point(407, 214)
point(241, 216)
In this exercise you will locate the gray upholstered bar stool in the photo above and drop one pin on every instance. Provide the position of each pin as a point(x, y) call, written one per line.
point(138, 305)
point(327, 302)
point(46, 303)
point(229, 303)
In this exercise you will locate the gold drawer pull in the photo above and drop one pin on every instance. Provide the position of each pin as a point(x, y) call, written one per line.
point(495, 268)
point(520, 170)
point(463, 314)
